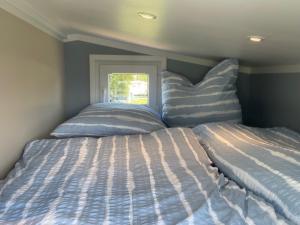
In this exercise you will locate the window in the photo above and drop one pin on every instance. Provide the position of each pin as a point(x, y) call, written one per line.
point(126, 79)
point(132, 88)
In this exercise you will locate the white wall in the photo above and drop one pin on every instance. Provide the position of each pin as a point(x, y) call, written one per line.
point(31, 86)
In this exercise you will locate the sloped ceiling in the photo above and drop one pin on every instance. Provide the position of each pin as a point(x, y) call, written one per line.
point(212, 29)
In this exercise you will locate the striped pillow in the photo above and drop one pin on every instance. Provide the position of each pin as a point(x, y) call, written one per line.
point(105, 119)
point(211, 100)
point(266, 161)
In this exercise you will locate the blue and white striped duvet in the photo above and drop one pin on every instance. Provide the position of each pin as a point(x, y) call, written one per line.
point(160, 178)
point(266, 161)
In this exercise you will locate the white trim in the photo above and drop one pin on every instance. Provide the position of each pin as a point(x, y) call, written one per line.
point(138, 48)
point(26, 12)
point(134, 58)
point(245, 69)
point(146, 50)
point(200, 61)
point(276, 69)
point(97, 60)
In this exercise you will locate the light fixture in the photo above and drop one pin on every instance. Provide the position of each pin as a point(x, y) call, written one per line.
point(147, 16)
point(256, 38)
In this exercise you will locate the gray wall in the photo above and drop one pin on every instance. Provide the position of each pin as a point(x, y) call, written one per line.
point(77, 86)
point(274, 100)
point(267, 100)
point(193, 72)
point(77, 74)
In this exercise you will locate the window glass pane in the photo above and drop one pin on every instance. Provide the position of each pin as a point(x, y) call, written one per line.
point(132, 88)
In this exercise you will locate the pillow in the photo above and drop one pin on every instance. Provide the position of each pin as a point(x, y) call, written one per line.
point(211, 100)
point(105, 119)
point(266, 161)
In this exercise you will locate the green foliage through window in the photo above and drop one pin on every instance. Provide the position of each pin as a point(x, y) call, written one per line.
point(132, 88)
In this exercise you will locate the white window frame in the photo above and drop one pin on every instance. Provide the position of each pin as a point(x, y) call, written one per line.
point(97, 62)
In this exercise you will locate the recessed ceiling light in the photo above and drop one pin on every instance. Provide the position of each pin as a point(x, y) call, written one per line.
point(256, 38)
point(147, 16)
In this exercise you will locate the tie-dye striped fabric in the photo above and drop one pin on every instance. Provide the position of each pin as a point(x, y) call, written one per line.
point(160, 178)
point(105, 119)
point(266, 161)
point(211, 100)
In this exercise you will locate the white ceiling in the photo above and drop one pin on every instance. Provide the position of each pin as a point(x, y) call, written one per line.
point(203, 28)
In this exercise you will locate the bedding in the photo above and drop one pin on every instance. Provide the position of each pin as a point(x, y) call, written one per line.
point(160, 178)
point(266, 161)
point(211, 100)
point(105, 119)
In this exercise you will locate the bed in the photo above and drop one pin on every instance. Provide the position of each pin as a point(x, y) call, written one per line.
point(119, 164)
point(164, 177)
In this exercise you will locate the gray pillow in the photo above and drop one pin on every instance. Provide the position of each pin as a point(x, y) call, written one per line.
point(211, 100)
point(105, 119)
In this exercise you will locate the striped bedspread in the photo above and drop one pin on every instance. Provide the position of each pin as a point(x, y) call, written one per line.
point(160, 178)
point(266, 161)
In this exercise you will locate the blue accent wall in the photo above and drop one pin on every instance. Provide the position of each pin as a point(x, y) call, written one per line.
point(274, 100)
point(77, 73)
point(266, 99)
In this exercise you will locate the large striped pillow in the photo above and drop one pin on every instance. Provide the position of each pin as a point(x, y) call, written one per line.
point(103, 119)
point(211, 100)
point(266, 161)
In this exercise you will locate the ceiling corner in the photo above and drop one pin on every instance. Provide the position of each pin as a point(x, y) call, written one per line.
point(139, 48)
point(25, 12)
